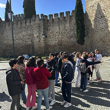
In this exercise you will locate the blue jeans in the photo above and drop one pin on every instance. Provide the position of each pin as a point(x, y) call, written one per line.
point(66, 91)
point(56, 77)
point(43, 92)
point(73, 70)
point(23, 95)
point(83, 82)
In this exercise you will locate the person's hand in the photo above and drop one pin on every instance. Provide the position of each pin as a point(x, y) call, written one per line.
point(57, 72)
point(22, 82)
point(102, 61)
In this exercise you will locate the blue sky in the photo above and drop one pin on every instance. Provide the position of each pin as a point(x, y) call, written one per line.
point(42, 6)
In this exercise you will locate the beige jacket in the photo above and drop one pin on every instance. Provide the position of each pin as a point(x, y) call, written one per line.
point(21, 69)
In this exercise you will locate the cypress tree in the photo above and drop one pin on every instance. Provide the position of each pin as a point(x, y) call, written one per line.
point(6, 11)
point(29, 8)
point(79, 22)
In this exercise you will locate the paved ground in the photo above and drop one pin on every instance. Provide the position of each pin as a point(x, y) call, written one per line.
point(98, 97)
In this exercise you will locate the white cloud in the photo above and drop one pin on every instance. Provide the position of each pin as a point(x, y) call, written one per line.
point(3, 20)
point(2, 5)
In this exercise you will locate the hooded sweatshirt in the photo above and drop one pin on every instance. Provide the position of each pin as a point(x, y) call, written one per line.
point(67, 72)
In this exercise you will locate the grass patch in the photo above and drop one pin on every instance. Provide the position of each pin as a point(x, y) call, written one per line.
point(4, 59)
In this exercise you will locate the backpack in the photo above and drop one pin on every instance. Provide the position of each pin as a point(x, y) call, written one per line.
point(82, 67)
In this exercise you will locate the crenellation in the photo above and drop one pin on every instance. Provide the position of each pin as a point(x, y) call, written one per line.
point(62, 15)
point(50, 18)
point(56, 16)
point(72, 12)
point(67, 14)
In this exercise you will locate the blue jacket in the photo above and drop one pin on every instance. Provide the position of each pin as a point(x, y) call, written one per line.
point(67, 72)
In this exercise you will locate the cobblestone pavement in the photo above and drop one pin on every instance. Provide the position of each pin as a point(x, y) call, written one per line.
point(98, 97)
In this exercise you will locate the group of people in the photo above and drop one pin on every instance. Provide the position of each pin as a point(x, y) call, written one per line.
point(41, 77)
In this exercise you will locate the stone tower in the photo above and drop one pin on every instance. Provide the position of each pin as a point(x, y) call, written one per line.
point(98, 24)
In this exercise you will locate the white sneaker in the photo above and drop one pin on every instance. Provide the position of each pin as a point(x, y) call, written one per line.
point(27, 108)
point(49, 108)
point(50, 98)
point(86, 90)
point(34, 107)
point(59, 91)
point(63, 102)
point(53, 102)
point(67, 105)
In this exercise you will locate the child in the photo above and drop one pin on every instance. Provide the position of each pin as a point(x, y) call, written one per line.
point(56, 73)
point(67, 77)
point(98, 58)
point(21, 69)
point(78, 79)
point(29, 74)
point(42, 83)
point(83, 75)
point(51, 67)
point(14, 84)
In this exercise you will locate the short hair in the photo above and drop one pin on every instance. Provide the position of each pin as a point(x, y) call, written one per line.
point(40, 62)
point(51, 54)
point(12, 62)
point(65, 55)
point(20, 59)
point(31, 62)
point(85, 56)
point(56, 54)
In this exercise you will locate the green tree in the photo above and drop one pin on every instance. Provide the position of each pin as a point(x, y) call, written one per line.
point(29, 8)
point(79, 22)
point(6, 11)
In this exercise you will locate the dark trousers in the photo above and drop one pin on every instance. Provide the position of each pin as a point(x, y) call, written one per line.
point(15, 101)
point(83, 82)
point(66, 91)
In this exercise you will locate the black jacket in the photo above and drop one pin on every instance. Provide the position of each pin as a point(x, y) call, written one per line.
point(59, 65)
point(51, 67)
point(13, 82)
point(56, 62)
point(67, 72)
point(88, 63)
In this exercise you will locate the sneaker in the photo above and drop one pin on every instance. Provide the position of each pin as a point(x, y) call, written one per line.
point(67, 105)
point(50, 98)
point(57, 85)
point(28, 108)
point(34, 107)
point(95, 79)
point(86, 90)
point(63, 102)
point(99, 80)
point(59, 91)
point(88, 83)
point(81, 89)
point(49, 108)
point(53, 102)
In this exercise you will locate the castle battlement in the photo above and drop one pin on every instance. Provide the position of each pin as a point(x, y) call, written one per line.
point(18, 20)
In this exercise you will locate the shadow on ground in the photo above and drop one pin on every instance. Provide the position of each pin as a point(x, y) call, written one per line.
point(4, 97)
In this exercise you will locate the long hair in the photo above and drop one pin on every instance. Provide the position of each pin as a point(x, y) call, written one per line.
point(20, 59)
point(31, 62)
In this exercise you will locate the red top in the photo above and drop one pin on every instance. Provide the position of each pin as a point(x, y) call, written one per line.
point(41, 77)
point(29, 75)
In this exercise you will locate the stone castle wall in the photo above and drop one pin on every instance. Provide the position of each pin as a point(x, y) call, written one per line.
point(98, 24)
point(59, 31)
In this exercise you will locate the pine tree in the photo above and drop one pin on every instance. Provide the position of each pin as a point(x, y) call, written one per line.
point(79, 22)
point(29, 8)
point(6, 11)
